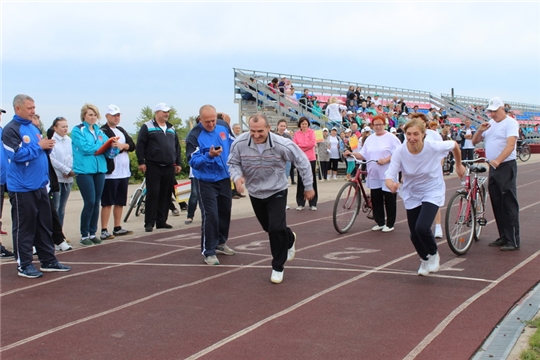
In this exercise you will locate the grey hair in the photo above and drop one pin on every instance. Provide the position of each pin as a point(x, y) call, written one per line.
point(258, 116)
point(20, 99)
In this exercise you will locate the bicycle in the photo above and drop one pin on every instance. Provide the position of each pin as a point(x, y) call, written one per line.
point(523, 151)
point(348, 202)
point(465, 213)
point(136, 199)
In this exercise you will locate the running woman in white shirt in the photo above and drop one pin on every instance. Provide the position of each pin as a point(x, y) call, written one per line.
point(423, 187)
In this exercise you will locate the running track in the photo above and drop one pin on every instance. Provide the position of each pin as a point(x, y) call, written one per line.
point(352, 296)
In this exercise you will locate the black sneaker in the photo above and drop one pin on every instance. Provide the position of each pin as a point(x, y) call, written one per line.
point(149, 228)
point(163, 226)
point(509, 247)
point(30, 272)
point(499, 242)
point(5, 253)
point(52, 267)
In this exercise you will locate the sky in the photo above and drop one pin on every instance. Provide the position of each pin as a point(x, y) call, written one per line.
point(137, 54)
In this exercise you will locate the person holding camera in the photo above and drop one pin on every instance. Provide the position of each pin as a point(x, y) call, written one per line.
point(207, 150)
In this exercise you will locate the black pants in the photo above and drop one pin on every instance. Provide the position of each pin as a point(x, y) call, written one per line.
point(300, 201)
point(271, 215)
point(467, 154)
point(292, 173)
point(159, 182)
point(325, 165)
point(215, 201)
point(420, 220)
point(32, 224)
point(381, 201)
point(57, 232)
point(193, 199)
point(503, 194)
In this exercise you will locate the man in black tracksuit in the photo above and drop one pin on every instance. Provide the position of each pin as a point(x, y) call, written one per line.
point(159, 156)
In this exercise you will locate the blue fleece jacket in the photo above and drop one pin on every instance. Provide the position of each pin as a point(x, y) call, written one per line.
point(28, 168)
point(198, 143)
point(84, 145)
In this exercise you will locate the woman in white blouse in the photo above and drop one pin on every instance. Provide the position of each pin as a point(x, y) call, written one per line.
point(423, 187)
point(62, 162)
point(379, 147)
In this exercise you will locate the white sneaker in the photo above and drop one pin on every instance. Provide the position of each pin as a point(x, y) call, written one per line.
point(335, 178)
point(287, 207)
point(299, 208)
point(211, 260)
point(292, 251)
point(387, 229)
point(313, 208)
point(438, 233)
point(433, 262)
point(377, 228)
point(64, 246)
point(276, 277)
point(423, 269)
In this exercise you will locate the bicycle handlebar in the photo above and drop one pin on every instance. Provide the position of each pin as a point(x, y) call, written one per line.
point(362, 162)
point(476, 160)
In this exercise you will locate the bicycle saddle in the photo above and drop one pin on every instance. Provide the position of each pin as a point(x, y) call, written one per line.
point(478, 169)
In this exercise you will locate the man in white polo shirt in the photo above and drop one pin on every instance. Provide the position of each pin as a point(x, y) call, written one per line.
point(500, 136)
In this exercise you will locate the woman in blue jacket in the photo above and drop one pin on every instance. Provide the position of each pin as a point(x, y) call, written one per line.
point(90, 169)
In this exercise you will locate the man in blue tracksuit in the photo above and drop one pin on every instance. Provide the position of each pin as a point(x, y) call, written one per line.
point(207, 150)
point(27, 177)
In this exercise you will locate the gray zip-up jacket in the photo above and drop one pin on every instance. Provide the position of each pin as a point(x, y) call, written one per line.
point(264, 172)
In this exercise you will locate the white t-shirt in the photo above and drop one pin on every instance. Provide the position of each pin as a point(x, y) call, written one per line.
point(334, 147)
point(422, 173)
point(333, 111)
point(378, 147)
point(496, 137)
point(121, 161)
point(468, 144)
point(432, 135)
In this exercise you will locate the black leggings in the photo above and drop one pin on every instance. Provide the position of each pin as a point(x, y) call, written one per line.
point(333, 164)
point(420, 220)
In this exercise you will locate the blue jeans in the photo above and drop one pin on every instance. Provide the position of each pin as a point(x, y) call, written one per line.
point(60, 199)
point(91, 187)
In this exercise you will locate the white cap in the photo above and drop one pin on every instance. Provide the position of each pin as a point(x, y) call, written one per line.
point(162, 107)
point(495, 103)
point(404, 114)
point(393, 130)
point(348, 130)
point(367, 128)
point(349, 112)
point(113, 110)
point(324, 129)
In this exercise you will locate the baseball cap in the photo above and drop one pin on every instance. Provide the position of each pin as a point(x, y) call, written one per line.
point(334, 128)
point(393, 130)
point(404, 113)
point(2, 111)
point(348, 130)
point(324, 129)
point(495, 103)
point(162, 107)
point(366, 129)
point(113, 110)
point(349, 112)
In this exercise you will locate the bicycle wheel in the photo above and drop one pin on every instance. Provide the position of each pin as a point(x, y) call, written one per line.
point(141, 206)
point(480, 212)
point(460, 224)
point(346, 207)
point(132, 203)
point(525, 153)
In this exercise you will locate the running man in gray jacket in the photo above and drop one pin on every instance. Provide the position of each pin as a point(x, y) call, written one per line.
point(257, 161)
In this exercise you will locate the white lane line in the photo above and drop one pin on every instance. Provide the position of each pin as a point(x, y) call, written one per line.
point(292, 308)
point(443, 324)
point(118, 308)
